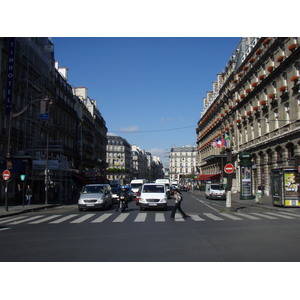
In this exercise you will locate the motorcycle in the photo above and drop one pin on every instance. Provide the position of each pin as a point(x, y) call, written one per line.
point(122, 203)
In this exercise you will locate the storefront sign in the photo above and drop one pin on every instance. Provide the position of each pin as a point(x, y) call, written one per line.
point(10, 75)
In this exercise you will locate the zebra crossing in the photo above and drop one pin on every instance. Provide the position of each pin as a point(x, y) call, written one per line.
point(141, 217)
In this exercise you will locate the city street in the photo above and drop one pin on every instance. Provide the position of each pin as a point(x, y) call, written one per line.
point(210, 234)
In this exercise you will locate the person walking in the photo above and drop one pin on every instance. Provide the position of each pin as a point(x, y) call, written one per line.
point(28, 194)
point(178, 199)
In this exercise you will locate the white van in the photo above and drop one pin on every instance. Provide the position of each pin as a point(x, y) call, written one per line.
point(167, 184)
point(135, 184)
point(215, 191)
point(153, 195)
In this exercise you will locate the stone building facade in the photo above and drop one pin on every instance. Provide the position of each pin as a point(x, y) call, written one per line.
point(254, 108)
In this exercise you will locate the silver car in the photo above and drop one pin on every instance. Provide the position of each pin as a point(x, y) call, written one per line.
point(95, 196)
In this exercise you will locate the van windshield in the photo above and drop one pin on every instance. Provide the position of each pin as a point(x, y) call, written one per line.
point(153, 189)
point(217, 187)
point(136, 185)
point(92, 189)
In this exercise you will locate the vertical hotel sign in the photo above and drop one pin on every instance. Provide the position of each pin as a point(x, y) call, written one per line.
point(10, 75)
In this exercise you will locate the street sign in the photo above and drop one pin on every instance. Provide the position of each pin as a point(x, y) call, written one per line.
point(229, 168)
point(6, 175)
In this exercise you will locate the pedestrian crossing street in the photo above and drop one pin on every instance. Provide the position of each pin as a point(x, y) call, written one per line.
point(158, 217)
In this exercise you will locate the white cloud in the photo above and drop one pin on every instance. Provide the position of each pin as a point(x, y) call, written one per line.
point(130, 129)
point(158, 152)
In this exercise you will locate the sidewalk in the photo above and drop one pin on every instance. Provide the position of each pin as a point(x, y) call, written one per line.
point(20, 209)
point(267, 203)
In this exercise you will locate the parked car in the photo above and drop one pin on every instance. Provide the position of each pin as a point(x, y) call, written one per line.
point(153, 195)
point(95, 196)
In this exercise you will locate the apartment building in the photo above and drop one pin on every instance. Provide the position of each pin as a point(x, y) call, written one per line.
point(182, 162)
point(53, 142)
point(253, 108)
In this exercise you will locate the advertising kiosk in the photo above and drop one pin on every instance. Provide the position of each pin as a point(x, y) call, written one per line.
point(246, 177)
point(285, 185)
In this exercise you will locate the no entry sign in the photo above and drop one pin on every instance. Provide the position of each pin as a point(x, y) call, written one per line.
point(229, 168)
point(6, 175)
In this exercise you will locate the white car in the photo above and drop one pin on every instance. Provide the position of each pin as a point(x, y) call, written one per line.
point(153, 195)
point(95, 196)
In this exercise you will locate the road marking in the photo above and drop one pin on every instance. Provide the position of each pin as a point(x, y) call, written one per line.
point(179, 218)
point(102, 218)
point(26, 220)
point(248, 216)
point(121, 218)
point(141, 217)
point(279, 215)
point(203, 202)
point(196, 218)
point(12, 219)
point(264, 216)
point(82, 219)
point(232, 217)
point(211, 216)
point(2, 229)
point(160, 217)
point(45, 219)
point(290, 214)
point(63, 219)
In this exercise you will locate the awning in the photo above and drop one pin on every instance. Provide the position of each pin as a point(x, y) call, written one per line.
point(208, 176)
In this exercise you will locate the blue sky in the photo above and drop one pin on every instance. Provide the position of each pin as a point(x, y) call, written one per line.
point(148, 87)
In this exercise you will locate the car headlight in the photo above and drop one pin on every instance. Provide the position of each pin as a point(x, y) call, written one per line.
point(163, 200)
point(100, 200)
point(142, 200)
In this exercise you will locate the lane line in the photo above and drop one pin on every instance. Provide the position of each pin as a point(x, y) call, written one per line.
point(45, 219)
point(290, 214)
point(2, 229)
point(63, 219)
point(121, 218)
point(203, 202)
point(141, 217)
point(102, 218)
point(82, 219)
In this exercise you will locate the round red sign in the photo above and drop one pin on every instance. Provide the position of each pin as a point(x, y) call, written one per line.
point(6, 175)
point(229, 168)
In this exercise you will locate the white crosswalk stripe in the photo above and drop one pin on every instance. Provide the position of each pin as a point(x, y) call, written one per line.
point(290, 214)
point(102, 218)
point(211, 216)
point(63, 219)
point(44, 219)
point(12, 219)
point(25, 220)
point(196, 218)
point(160, 217)
point(141, 217)
point(248, 216)
point(121, 218)
point(279, 215)
point(230, 216)
point(179, 218)
point(264, 216)
point(82, 219)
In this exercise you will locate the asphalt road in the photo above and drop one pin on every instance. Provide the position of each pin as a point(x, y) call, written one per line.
point(210, 235)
